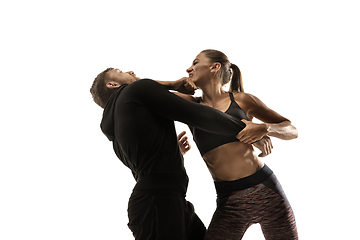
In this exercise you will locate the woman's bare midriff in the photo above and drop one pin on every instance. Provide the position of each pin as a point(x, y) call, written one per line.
point(232, 161)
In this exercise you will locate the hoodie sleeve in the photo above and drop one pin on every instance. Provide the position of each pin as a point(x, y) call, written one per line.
point(156, 97)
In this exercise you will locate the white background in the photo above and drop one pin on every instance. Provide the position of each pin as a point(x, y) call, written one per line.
point(59, 178)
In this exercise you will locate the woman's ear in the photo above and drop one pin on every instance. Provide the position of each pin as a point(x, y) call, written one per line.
point(215, 67)
point(112, 85)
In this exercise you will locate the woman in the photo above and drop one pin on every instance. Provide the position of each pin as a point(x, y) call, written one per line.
point(247, 190)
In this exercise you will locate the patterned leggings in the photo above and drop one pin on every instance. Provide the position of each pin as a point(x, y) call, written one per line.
point(264, 203)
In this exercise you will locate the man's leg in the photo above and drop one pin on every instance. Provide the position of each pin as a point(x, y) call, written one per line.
point(141, 212)
point(154, 217)
point(196, 229)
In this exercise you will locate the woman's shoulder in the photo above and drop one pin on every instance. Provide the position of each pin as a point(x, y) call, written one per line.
point(244, 97)
point(246, 101)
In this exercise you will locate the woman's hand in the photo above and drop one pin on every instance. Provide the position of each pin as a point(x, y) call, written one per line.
point(264, 145)
point(252, 132)
point(184, 85)
point(183, 143)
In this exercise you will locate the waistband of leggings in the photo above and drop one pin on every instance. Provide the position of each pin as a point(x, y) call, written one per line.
point(162, 184)
point(244, 183)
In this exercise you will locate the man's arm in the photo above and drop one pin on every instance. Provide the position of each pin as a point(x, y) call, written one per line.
point(183, 143)
point(160, 100)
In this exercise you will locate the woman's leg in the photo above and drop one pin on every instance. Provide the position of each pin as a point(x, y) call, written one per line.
point(263, 201)
point(225, 226)
point(233, 216)
point(278, 221)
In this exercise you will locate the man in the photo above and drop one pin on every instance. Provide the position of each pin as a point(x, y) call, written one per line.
point(139, 119)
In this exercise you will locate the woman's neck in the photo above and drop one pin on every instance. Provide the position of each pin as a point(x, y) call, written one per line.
point(212, 93)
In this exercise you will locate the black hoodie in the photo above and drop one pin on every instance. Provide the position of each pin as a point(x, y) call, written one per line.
point(139, 119)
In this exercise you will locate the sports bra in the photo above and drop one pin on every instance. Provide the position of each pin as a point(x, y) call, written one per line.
point(206, 141)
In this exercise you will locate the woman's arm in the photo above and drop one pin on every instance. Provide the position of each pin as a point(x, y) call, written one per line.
point(273, 124)
point(183, 85)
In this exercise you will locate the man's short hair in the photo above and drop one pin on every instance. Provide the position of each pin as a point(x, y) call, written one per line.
point(100, 93)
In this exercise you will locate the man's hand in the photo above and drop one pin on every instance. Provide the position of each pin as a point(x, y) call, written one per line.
point(252, 132)
point(183, 143)
point(265, 146)
point(184, 85)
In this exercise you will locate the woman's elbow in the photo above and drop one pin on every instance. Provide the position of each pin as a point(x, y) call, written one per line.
point(294, 132)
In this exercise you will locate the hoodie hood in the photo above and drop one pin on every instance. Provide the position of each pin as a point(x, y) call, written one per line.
point(108, 121)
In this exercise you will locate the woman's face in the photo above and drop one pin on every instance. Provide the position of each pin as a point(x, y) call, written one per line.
point(200, 70)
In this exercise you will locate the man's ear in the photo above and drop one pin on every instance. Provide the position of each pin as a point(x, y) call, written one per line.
point(112, 85)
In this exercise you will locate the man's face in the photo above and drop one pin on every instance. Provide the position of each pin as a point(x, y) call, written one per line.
point(118, 77)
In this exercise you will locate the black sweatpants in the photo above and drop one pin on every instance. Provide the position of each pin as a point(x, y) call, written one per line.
point(162, 213)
